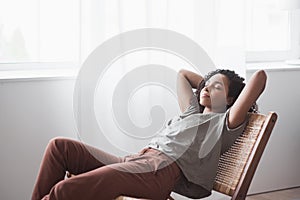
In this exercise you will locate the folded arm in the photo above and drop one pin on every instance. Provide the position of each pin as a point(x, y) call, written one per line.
point(248, 96)
point(186, 81)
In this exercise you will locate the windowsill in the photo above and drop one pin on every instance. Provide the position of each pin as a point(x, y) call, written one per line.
point(71, 73)
point(271, 66)
point(38, 74)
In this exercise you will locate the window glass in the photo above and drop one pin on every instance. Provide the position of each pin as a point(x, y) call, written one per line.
point(267, 26)
point(39, 31)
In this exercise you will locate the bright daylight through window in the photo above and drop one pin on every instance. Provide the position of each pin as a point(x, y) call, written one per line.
point(39, 31)
point(48, 31)
point(272, 30)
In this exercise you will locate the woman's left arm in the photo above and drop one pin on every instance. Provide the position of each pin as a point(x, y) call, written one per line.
point(249, 95)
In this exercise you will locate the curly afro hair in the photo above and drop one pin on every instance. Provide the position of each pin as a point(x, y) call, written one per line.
point(236, 85)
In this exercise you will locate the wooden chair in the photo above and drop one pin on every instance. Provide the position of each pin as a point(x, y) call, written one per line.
point(237, 166)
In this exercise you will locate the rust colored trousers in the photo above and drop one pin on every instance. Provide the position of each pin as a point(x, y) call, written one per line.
point(149, 174)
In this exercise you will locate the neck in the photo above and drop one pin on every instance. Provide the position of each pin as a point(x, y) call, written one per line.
point(207, 110)
point(210, 110)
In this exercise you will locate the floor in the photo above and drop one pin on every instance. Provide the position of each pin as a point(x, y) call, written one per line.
point(289, 194)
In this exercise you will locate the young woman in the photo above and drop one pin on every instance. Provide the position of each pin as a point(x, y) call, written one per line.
point(183, 157)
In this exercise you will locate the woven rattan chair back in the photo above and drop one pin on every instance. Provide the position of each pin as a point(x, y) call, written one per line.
point(237, 166)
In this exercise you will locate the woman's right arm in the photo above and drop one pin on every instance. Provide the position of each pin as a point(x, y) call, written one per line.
point(186, 81)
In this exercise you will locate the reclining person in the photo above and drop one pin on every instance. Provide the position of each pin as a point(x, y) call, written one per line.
point(183, 157)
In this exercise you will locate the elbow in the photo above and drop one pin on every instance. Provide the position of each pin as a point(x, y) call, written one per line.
point(182, 72)
point(262, 73)
point(261, 77)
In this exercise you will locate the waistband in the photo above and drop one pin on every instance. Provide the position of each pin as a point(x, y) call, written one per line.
point(150, 150)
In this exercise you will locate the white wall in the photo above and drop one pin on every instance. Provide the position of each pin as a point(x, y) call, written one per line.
point(34, 111)
point(31, 112)
point(280, 164)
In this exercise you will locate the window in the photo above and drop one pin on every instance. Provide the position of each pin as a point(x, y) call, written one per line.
point(272, 31)
point(39, 31)
point(59, 31)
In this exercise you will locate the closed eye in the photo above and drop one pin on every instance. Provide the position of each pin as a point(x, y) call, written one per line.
point(218, 86)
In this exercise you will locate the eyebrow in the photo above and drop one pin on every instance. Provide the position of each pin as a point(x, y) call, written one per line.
point(220, 82)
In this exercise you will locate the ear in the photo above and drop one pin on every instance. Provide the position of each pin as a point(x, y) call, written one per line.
point(229, 100)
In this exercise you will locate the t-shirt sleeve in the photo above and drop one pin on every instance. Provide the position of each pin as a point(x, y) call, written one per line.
point(193, 108)
point(231, 134)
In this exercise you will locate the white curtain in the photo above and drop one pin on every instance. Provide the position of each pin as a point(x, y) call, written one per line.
point(215, 25)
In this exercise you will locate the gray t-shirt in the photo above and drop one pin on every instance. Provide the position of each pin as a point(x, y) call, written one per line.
point(195, 141)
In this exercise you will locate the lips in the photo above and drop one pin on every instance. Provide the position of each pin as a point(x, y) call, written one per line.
point(205, 95)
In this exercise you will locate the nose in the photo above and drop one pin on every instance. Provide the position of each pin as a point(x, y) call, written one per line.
point(206, 88)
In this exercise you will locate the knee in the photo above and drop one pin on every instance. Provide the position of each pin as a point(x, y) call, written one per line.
point(57, 144)
point(62, 190)
point(57, 140)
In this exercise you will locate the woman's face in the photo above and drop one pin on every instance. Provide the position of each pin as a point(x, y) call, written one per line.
point(214, 95)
